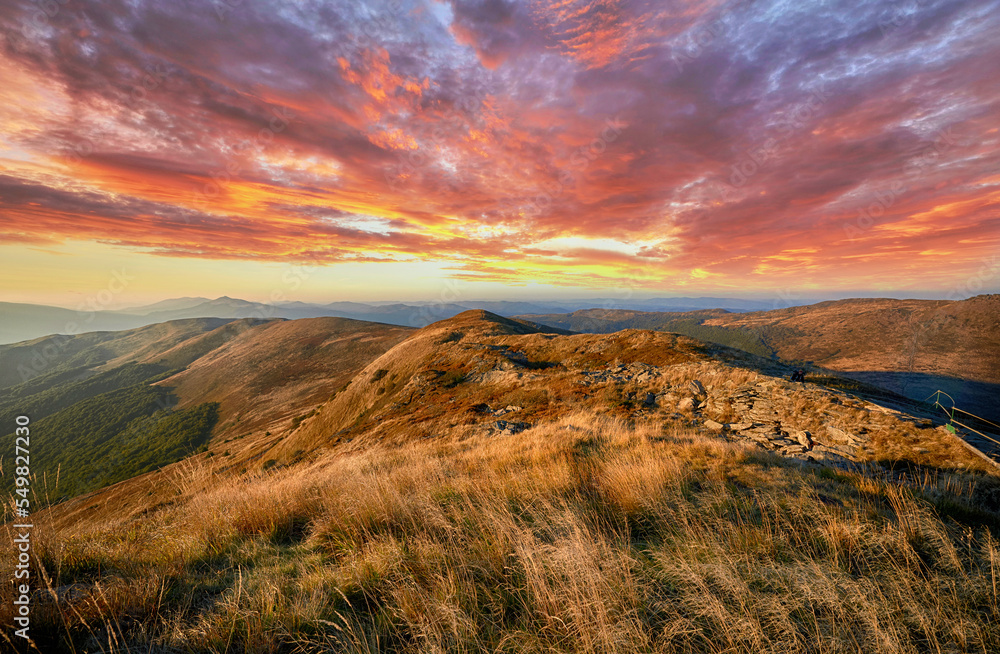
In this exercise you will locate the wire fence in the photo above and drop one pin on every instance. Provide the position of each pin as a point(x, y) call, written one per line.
point(981, 422)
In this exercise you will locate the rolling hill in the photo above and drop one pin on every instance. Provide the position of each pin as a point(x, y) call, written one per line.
point(486, 482)
point(59, 354)
point(20, 322)
point(117, 404)
point(269, 375)
point(912, 347)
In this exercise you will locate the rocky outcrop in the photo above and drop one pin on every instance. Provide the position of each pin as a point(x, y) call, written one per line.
point(509, 428)
point(633, 373)
point(757, 413)
point(758, 420)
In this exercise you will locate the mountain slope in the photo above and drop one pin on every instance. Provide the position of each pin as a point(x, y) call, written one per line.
point(21, 362)
point(116, 405)
point(21, 322)
point(909, 346)
point(171, 304)
point(487, 484)
point(440, 379)
point(273, 372)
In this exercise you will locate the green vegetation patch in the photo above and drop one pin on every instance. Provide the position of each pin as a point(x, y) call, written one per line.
point(740, 339)
point(112, 437)
point(45, 395)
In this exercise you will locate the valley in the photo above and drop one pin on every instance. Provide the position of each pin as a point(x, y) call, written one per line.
point(911, 347)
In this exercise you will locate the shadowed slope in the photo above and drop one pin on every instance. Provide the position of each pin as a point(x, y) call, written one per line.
point(911, 341)
point(20, 362)
point(272, 372)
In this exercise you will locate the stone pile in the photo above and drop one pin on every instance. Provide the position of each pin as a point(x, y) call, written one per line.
point(757, 419)
point(638, 373)
point(510, 408)
point(509, 428)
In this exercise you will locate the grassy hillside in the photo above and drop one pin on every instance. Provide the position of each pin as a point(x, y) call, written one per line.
point(490, 485)
point(29, 360)
point(111, 437)
point(911, 347)
point(585, 534)
point(108, 420)
point(267, 376)
point(46, 395)
point(92, 429)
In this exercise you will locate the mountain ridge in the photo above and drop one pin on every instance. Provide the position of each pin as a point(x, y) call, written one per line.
point(504, 455)
point(910, 346)
point(19, 322)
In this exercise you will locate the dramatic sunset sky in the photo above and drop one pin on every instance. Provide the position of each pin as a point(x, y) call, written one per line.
point(330, 150)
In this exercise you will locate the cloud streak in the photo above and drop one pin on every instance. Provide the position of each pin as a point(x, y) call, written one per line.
point(726, 145)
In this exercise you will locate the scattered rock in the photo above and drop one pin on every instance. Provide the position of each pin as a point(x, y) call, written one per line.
point(697, 389)
point(617, 373)
point(840, 450)
point(841, 436)
point(687, 404)
point(804, 438)
point(510, 428)
point(650, 399)
point(714, 426)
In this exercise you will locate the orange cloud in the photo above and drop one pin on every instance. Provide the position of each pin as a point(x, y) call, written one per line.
point(477, 135)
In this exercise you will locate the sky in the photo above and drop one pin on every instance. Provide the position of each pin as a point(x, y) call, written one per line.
point(322, 151)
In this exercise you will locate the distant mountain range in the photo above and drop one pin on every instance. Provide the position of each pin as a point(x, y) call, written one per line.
point(22, 322)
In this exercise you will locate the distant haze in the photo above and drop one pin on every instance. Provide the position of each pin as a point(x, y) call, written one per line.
point(19, 322)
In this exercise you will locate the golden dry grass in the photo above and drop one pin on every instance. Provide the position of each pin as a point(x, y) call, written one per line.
point(584, 534)
point(392, 520)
